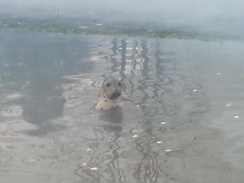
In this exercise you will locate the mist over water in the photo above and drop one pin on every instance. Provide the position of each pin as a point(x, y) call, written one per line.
point(202, 16)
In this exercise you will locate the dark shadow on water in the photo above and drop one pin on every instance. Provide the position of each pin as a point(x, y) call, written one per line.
point(114, 115)
point(33, 64)
point(114, 118)
point(43, 106)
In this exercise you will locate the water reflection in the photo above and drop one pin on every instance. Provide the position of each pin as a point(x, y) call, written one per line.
point(144, 55)
point(113, 59)
point(123, 59)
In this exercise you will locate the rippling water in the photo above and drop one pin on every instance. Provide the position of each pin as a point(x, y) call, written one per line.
point(184, 124)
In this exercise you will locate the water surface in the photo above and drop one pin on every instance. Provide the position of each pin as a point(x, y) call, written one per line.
point(187, 98)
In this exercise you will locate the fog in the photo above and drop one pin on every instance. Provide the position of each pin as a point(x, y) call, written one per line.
point(221, 16)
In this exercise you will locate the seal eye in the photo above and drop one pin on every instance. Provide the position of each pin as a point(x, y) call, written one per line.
point(119, 83)
point(108, 84)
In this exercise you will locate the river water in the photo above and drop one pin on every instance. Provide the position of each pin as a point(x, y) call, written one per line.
point(184, 123)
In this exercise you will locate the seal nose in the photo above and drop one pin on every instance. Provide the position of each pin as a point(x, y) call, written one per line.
point(116, 94)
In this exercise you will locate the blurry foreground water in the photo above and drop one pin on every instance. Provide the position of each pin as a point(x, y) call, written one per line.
point(185, 124)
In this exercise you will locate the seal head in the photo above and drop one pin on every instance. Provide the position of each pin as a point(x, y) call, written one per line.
point(110, 95)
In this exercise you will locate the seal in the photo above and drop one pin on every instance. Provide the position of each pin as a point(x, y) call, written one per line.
point(110, 94)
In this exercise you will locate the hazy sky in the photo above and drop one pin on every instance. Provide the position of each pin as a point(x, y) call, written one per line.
point(204, 15)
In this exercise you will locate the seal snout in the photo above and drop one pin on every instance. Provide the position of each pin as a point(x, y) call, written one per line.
point(115, 94)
